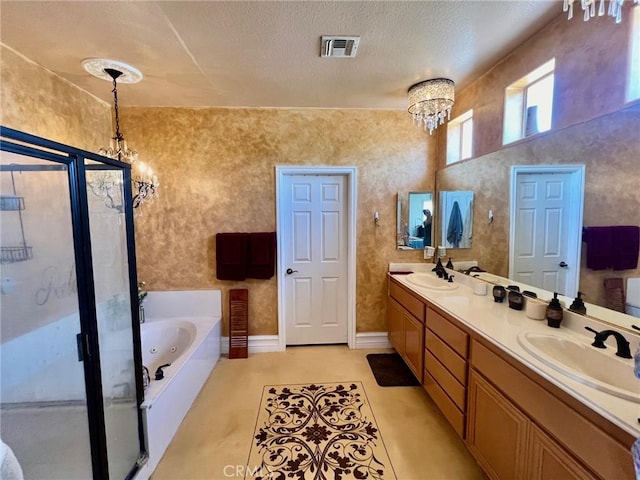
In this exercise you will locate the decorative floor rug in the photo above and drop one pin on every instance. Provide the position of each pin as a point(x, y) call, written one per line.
point(318, 431)
point(391, 371)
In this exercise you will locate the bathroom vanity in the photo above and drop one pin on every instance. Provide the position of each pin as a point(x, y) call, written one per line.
point(519, 417)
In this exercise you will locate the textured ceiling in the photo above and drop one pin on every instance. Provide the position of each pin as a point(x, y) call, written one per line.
point(266, 54)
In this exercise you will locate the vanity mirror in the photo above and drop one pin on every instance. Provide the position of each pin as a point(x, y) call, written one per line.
point(414, 220)
point(609, 149)
point(456, 212)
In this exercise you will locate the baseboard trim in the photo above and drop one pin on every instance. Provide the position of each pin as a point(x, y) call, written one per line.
point(257, 344)
point(270, 343)
point(372, 340)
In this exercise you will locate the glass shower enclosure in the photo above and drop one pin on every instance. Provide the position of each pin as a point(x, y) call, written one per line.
point(70, 371)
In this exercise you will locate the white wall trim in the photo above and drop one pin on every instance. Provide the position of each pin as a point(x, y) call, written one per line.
point(270, 343)
point(574, 230)
point(257, 344)
point(351, 174)
point(372, 340)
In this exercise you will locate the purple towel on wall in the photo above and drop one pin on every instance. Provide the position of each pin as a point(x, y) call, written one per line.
point(599, 247)
point(232, 251)
point(262, 255)
point(626, 245)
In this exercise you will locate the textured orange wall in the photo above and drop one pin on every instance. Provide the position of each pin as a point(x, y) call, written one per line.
point(39, 102)
point(217, 174)
point(591, 73)
point(36, 101)
point(590, 77)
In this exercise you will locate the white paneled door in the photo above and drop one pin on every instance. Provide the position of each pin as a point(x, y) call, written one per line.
point(544, 253)
point(314, 248)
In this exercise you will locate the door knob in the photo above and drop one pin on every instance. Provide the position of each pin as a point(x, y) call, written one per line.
point(289, 271)
point(563, 265)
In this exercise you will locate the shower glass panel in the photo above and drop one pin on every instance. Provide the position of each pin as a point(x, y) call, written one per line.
point(43, 402)
point(108, 233)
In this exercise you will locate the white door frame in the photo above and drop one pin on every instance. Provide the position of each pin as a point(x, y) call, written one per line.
point(574, 236)
point(350, 173)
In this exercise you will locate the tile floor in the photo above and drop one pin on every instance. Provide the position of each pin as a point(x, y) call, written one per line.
point(215, 438)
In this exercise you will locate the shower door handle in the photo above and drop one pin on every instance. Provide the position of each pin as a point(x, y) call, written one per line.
point(82, 342)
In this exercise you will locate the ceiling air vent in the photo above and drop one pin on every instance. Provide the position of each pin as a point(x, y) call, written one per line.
point(339, 46)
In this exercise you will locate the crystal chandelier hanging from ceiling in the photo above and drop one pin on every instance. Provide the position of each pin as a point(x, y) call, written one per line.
point(430, 102)
point(589, 8)
point(145, 182)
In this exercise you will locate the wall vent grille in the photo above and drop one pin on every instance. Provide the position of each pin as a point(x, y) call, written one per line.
point(339, 46)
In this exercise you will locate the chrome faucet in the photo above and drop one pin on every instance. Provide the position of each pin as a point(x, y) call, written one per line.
point(623, 344)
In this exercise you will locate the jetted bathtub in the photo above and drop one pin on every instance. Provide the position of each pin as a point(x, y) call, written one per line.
point(192, 346)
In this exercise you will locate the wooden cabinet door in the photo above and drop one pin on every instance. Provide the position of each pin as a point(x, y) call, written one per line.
point(414, 344)
point(395, 325)
point(548, 460)
point(497, 431)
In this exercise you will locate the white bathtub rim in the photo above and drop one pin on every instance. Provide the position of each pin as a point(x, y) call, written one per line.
point(204, 326)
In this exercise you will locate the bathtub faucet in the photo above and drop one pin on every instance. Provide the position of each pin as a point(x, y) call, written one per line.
point(159, 372)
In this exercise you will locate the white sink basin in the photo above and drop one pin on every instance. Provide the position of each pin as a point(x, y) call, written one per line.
point(582, 362)
point(430, 281)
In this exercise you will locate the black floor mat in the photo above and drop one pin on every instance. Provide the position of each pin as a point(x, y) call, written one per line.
point(391, 371)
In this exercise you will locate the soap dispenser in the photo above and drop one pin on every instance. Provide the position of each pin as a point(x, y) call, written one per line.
point(450, 264)
point(578, 305)
point(554, 312)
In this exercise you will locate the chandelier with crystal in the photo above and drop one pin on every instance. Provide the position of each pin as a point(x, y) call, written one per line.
point(430, 102)
point(589, 8)
point(145, 182)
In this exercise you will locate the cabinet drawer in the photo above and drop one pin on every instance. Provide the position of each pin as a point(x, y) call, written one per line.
point(447, 382)
point(456, 338)
point(454, 416)
point(603, 454)
point(407, 300)
point(453, 362)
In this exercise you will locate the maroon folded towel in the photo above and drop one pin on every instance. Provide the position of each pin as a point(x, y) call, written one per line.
point(599, 247)
point(231, 256)
point(626, 243)
point(262, 255)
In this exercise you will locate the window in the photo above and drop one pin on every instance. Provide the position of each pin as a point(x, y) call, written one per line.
point(633, 89)
point(460, 137)
point(528, 104)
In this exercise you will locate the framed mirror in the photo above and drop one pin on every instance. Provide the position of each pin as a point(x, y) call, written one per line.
point(456, 212)
point(414, 220)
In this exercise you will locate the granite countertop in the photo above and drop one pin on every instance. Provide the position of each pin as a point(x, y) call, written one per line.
point(501, 325)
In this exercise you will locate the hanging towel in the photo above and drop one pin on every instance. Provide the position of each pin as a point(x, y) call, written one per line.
point(455, 228)
point(231, 256)
point(262, 255)
point(626, 245)
point(599, 242)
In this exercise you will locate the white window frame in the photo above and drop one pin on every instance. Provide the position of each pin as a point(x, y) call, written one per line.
point(515, 102)
point(633, 83)
point(455, 137)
